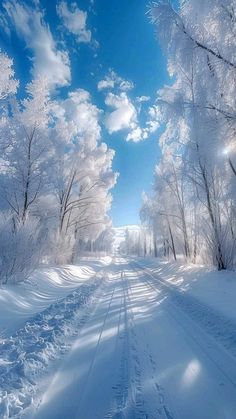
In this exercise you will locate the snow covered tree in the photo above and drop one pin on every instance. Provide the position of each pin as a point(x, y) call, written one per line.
point(8, 85)
point(198, 110)
point(55, 176)
point(81, 174)
point(23, 172)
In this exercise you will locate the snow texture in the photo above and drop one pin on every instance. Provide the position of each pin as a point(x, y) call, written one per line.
point(25, 356)
point(139, 340)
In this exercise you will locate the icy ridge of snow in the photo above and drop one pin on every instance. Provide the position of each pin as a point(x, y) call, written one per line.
point(25, 355)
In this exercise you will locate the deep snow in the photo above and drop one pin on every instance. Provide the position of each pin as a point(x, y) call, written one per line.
point(40, 318)
point(141, 339)
point(19, 302)
point(216, 289)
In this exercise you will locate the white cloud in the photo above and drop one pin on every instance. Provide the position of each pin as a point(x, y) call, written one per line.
point(154, 119)
point(136, 135)
point(141, 99)
point(125, 85)
point(126, 112)
point(48, 60)
point(74, 21)
point(79, 117)
point(112, 80)
point(106, 84)
point(124, 116)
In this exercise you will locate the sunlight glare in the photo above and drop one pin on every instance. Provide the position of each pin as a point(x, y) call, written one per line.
point(191, 373)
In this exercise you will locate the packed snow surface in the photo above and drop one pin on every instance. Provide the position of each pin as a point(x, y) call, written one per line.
point(140, 339)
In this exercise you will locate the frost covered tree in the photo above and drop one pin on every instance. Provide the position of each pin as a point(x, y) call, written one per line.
point(198, 110)
point(55, 176)
point(8, 85)
point(26, 158)
point(8, 89)
point(23, 137)
point(82, 176)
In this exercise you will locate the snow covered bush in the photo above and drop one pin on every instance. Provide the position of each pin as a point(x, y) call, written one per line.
point(21, 248)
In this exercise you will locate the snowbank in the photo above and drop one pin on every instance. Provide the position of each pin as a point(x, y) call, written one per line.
point(56, 302)
point(25, 355)
point(213, 288)
point(20, 302)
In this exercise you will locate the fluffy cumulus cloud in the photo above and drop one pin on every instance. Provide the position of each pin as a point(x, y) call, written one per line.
point(48, 60)
point(112, 80)
point(80, 117)
point(154, 119)
point(137, 134)
point(124, 115)
point(74, 21)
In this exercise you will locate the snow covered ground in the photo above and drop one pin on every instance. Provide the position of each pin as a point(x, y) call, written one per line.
point(45, 286)
point(35, 318)
point(141, 339)
point(216, 289)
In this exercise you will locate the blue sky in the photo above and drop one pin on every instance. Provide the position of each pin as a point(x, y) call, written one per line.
point(114, 43)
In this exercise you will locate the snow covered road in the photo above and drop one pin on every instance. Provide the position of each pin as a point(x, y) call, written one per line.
point(141, 354)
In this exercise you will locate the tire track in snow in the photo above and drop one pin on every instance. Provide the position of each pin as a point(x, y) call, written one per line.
point(221, 328)
point(119, 352)
point(136, 402)
point(128, 384)
point(178, 308)
point(154, 406)
point(93, 360)
point(136, 363)
point(122, 387)
point(139, 403)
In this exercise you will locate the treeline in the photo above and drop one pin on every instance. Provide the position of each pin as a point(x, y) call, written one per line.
point(55, 177)
point(192, 207)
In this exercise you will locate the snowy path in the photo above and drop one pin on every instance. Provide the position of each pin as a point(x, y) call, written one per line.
point(141, 355)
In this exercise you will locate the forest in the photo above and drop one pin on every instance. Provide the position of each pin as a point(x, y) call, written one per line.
point(55, 177)
point(192, 207)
